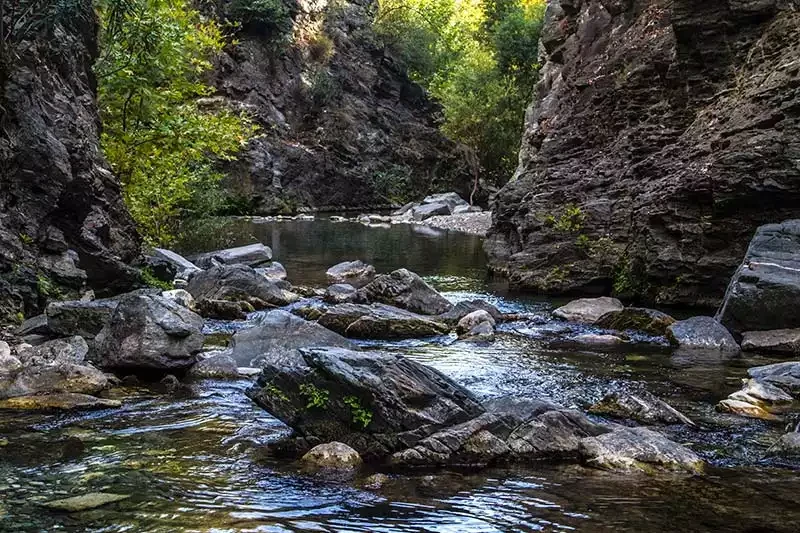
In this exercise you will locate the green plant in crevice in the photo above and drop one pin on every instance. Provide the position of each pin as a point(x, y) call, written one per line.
point(361, 416)
point(270, 17)
point(315, 397)
point(150, 279)
point(276, 392)
point(47, 288)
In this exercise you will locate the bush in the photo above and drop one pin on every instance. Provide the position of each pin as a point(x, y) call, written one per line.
point(320, 48)
point(323, 87)
point(262, 16)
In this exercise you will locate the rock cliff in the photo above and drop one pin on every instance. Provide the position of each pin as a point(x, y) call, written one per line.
point(62, 218)
point(661, 135)
point(342, 123)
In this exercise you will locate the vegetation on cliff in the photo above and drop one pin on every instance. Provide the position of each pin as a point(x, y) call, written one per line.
point(478, 58)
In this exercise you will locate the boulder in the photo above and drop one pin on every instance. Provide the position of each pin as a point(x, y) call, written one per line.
point(220, 366)
point(406, 290)
point(483, 332)
point(474, 319)
point(150, 332)
point(379, 321)
point(745, 408)
point(279, 335)
point(36, 325)
point(638, 449)
point(355, 273)
point(763, 293)
point(780, 342)
point(222, 309)
point(56, 378)
point(462, 309)
point(464, 209)
point(648, 321)
point(375, 402)
point(58, 351)
point(642, 407)
point(78, 317)
point(783, 375)
point(160, 268)
point(239, 283)
point(9, 366)
point(340, 293)
point(181, 263)
point(309, 311)
point(757, 399)
point(5, 350)
point(250, 255)
point(588, 310)
point(332, 455)
point(274, 272)
point(180, 297)
point(65, 401)
point(701, 333)
point(427, 211)
point(450, 199)
point(787, 446)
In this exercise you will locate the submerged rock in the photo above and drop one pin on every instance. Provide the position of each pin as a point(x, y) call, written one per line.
point(355, 273)
point(378, 321)
point(250, 255)
point(406, 290)
point(764, 291)
point(85, 502)
point(589, 341)
point(64, 401)
point(240, 283)
point(701, 333)
point(150, 332)
point(279, 335)
point(637, 318)
point(588, 310)
point(642, 407)
point(780, 342)
point(638, 449)
point(332, 455)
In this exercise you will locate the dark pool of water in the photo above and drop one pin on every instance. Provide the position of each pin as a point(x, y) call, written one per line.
point(192, 460)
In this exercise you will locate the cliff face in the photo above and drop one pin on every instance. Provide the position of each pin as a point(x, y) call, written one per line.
point(342, 123)
point(662, 134)
point(62, 218)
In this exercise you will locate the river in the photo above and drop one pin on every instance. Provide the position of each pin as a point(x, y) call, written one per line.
point(192, 459)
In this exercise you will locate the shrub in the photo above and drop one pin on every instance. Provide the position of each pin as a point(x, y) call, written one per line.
point(262, 16)
point(320, 48)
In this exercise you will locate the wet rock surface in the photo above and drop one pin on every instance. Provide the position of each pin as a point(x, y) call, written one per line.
point(405, 289)
point(379, 321)
point(639, 449)
point(239, 283)
point(636, 318)
point(251, 255)
point(588, 310)
point(332, 455)
point(782, 342)
point(701, 333)
point(354, 273)
point(641, 406)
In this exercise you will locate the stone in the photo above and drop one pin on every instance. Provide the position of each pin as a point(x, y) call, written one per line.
point(638, 449)
point(745, 408)
point(463, 209)
point(180, 297)
point(160, 268)
point(239, 283)
point(220, 309)
point(784, 342)
point(274, 272)
point(642, 407)
point(783, 375)
point(464, 308)
point(332, 455)
point(182, 265)
point(220, 366)
point(701, 333)
point(472, 320)
point(309, 312)
point(85, 502)
point(9, 365)
point(340, 293)
point(426, 211)
point(766, 392)
point(65, 401)
point(588, 310)
point(379, 321)
point(79, 317)
point(149, 332)
point(5, 350)
point(355, 273)
point(406, 290)
point(483, 332)
point(762, 293)
point(36, 325)
point(451, 199)
point(641, 193)
point(279, 335)
point(71, 350)
point(251, 255)
point(62, 377)
point(647, 321)
point(589, 341)
point(787, 446)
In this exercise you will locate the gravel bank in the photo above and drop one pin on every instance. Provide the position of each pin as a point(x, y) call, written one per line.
point(473, 223)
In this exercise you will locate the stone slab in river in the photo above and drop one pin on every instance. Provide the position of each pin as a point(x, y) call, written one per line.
point(780, 342)
point(588, 310)
point(405, 289)
point(250, 255)
point(355, 273)
point(58, 402)
point(450, 199)
point(783, 375)
point(380, 321)
point(701, 333)
point(178, 260)
point(427, 211)
point(239, 283)
point(764, 291)
point(639, 449)
point(85, 502)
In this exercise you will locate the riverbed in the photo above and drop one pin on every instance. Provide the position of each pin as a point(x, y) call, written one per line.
point(193, 459)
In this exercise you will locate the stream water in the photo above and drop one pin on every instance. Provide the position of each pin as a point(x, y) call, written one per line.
point(192, 459)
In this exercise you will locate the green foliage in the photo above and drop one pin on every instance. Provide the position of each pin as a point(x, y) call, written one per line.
point(276, 392)
point(361, 416)
point(394, 184)
point(315, 397)
point(151, 280)
point(47, 288)
point(478, 58)
point(25, 239)
point(158, 138)
point(571, 219)
point(262, 16)
point(323, 88)
point(320, 48)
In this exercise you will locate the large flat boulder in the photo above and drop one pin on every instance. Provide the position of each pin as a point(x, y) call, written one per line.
point(250, 255)
point(379, 321)
point(355, 273)
point(181, 263)
point(588, 310)
point(405, 289)
point(764, 291)
point(450, 199)
point(149, 332)
point(701, 333)
point(783, 375)
point(278, 336)
point(784, 342)
point(84, 318)
point(424, 212)
point(464, 308)
point(637, 318)
point(239, 283)
point(641, 406)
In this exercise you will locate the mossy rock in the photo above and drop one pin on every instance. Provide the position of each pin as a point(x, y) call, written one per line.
point(647, 321)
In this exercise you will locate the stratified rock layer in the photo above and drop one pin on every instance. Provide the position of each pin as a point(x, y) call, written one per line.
point(662, 134)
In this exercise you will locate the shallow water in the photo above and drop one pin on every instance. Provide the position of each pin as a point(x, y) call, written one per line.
point(192, 461)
